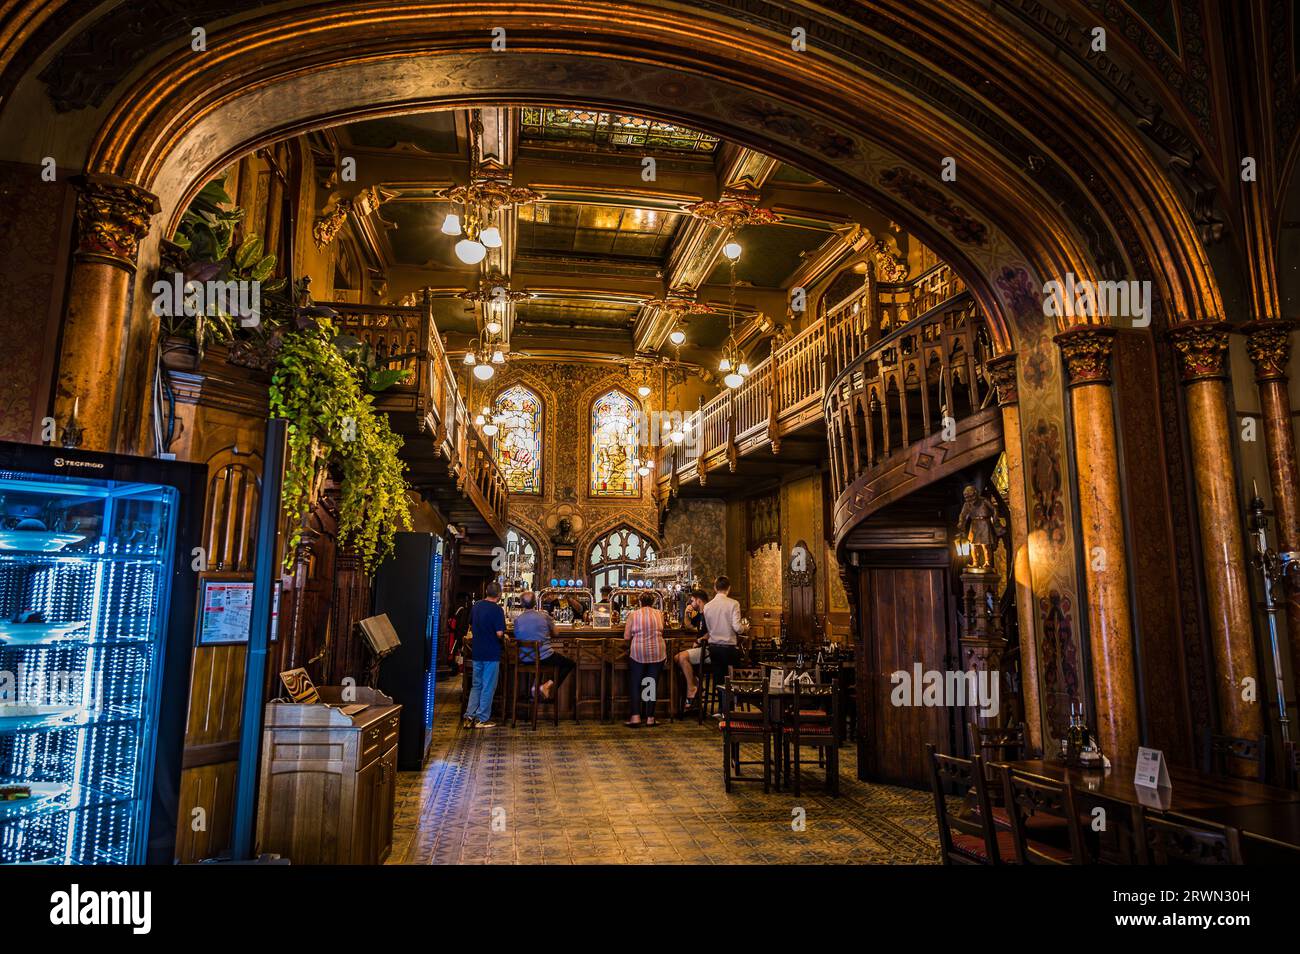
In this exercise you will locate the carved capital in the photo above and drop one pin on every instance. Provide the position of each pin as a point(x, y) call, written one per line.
point(1002, 375)
point(1269, 345)
point(113, 215)
point(1202, 350)
point(1086, 353)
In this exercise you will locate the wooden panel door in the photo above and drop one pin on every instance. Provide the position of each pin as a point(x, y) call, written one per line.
point(905, 620)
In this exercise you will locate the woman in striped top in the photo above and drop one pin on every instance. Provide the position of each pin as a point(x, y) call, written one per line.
point(645, 628)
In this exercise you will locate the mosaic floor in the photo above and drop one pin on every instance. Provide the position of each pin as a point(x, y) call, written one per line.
point(603, 794)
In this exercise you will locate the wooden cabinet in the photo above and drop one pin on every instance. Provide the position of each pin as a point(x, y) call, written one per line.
point(329, 779)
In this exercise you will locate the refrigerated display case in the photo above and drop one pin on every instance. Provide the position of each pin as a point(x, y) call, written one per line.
point(97, 587)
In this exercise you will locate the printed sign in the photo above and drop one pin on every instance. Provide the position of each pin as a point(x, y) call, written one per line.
point(1151, 771)
point(226, 612)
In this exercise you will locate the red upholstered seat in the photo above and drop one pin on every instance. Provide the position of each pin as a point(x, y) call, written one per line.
point(972, 846)
point(809, 729)
point(739, 726)
point(1039, 822)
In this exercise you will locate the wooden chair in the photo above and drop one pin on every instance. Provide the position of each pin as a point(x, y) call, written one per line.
point(1108, 837)
point(746, 717)
point(1027, 797)
point(1178, 840)
point(1000, 743)
point(589, 657)
point(1221, 751)
point(533, 673)
point(817, 728)
point(965, 840)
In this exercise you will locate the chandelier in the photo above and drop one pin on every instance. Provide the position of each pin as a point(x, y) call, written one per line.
point(732, 364)
point(476, 223)
point(493, 296)
point(679, 306)
point(734, 210)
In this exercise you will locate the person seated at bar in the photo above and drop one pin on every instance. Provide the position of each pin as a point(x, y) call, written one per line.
point(688, 659)
point(719, 648)
point(646, 656)
point(533, 632)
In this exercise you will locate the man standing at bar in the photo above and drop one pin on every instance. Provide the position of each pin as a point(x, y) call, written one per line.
point(725, 625)
point(487, 624)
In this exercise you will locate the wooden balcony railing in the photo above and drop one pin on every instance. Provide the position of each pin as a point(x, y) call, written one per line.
point(406, 337)
point(907, 386)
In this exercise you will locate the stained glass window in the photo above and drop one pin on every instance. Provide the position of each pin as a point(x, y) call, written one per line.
point(614, 556)
point(546, 124)
point(613, 446)
point(518, 414)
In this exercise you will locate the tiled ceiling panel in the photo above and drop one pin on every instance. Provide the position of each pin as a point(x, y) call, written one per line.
point(611, 230)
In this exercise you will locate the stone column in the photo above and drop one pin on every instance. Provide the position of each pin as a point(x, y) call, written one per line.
point(1002, 370)
point(1203, 350)
point(112, 217)
point(1269, 345)
point(1086, 353)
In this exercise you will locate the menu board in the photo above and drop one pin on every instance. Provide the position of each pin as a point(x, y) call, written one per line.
point(225, 611)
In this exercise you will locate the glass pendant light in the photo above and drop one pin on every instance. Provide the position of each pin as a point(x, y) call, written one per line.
point(490, 428)
point(733, 380)
point(470, 252)
point(732, 250)
point(494, 327)
point(469, 357)
point(451, 224)
point(643, 390)
point(743, 369)
point(498, 357)
point(724, 364)
point(484, 371)
point(677, 335)
point(490, 237)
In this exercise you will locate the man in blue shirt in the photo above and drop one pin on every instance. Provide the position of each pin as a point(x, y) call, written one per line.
point(533, 632)
point(487, 625)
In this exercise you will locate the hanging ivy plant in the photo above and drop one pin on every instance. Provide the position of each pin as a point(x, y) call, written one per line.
point(332, 421)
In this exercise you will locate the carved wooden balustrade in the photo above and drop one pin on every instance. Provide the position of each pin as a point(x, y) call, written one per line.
point(403, 336)
point(916, 405)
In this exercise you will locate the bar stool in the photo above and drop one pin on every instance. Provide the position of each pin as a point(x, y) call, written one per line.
point(589, 657)
point(535, 673)
point(616, 658)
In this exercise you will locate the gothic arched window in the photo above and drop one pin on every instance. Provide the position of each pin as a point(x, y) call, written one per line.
point(518, 449)
point(614, 555)
point(613, 446)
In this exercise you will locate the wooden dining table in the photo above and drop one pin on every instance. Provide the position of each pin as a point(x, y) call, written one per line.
point(1269, 813)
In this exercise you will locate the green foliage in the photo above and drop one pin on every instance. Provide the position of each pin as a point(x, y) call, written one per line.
point(331, 421)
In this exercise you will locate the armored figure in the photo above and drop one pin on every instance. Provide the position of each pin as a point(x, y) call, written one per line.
point(978, 523)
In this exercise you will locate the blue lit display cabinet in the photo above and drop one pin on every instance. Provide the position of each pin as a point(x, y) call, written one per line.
point(97, 591)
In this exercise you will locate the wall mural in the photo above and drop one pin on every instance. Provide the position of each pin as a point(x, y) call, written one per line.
point(700, 522)
point(1050, 521)
point(765, 578)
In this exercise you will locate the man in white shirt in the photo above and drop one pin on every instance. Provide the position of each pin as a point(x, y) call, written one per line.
point(724, 625)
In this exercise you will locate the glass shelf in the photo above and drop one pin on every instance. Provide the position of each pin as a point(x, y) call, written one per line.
point(76, 797)
point(96, 717)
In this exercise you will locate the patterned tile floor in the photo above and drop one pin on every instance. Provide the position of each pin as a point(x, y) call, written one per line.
point(603, 794)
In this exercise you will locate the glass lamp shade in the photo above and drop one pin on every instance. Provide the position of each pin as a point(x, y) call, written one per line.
point(643, 390)
point(469, 357)
point(484, 371)
point(494, 327)
point(677, 436)
point(733, 380)
point(490, 429)
point(743, 369)
point(643, 470)
point(478, 420)
point(498, 357)
point(732, 250)
point(677, 336)
point(724, 365)
point(490, 237)
point(470, 252)
point(451, 224)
